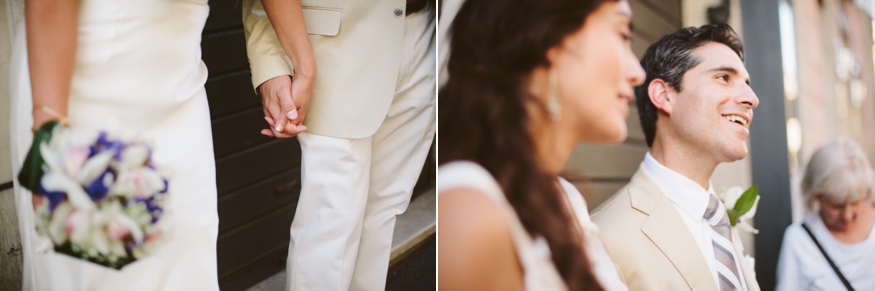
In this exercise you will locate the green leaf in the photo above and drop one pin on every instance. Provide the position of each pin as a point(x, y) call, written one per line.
point(733, 216)
point(744, 203)
point(32, 170)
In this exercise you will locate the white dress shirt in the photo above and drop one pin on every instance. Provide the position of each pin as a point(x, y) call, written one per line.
point(691, 201)
point(801, 266)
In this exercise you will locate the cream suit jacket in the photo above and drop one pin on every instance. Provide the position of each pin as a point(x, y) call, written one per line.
point(651, 245)
point(357, 44)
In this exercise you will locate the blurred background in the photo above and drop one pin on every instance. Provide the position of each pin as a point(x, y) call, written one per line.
point(811, 65)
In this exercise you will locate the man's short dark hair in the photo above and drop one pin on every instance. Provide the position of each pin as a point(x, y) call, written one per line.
point(670, 58)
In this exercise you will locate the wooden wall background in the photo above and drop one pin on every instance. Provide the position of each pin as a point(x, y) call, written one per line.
point(609, 168)
point(257, 177)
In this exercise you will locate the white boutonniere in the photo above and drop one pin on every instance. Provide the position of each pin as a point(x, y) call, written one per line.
point(741, 206)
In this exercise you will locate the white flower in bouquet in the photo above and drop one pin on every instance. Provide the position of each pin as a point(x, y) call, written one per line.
point(58, 222)
point(96, 197)
point(138, 183)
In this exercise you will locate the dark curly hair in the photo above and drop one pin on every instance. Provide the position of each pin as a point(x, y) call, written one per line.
point(670, 58)
point(496, 45)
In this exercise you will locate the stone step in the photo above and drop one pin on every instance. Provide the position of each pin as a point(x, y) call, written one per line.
point(413, 230)
point(414, 226)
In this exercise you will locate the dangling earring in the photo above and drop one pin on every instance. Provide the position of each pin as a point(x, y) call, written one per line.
point(553, 97)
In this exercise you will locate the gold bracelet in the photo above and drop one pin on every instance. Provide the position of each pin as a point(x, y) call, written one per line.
point(61, 118)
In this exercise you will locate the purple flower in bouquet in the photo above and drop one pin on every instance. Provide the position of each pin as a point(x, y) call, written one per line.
point(98, 188)
point(98, 197)
point(104, 144)
point(54, 197)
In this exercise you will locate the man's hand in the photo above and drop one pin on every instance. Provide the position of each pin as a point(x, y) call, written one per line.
point(285, 98)
point(302, 89)
point(285, 101)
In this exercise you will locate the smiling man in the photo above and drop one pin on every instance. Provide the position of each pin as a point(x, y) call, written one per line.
point(666, 230)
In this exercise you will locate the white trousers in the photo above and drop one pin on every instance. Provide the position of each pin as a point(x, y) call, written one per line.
point(352, 189)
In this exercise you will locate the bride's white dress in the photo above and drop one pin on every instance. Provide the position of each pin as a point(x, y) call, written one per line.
point(138, 62)
point(533, 253)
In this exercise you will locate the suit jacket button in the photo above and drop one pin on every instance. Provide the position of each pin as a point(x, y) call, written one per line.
point(398, 12)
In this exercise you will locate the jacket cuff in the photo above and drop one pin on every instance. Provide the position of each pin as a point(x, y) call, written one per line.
point(266, 67)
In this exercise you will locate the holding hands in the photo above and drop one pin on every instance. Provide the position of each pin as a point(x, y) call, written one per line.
point(285, 99)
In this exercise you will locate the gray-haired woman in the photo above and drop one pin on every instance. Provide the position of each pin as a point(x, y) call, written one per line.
point(832, 249)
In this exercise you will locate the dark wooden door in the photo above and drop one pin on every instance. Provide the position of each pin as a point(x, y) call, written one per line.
point(258, 177)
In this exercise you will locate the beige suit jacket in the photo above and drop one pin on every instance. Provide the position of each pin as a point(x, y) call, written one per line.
point(651, 245)
point(357, 44)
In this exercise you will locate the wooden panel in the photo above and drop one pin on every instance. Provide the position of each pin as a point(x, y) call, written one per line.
point(606, 162)
point(597, 192)
point(668, 9)
point(606, 169)
point(258, 178)
point(247, 244)
point(248, 167)
point(636, 133)
point(239, 132)
point(640, 42)
point(248, 275)
point(224, 52)
point(649, 22)
point(224, 15)
point(416, 271)
point(231, 93)
point(251, 202)
point(427, 176)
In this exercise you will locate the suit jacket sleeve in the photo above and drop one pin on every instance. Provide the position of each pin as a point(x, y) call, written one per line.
point(266, 56)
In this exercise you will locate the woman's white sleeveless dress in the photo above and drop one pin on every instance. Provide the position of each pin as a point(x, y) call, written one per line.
point(137, 62)
point(534, 255)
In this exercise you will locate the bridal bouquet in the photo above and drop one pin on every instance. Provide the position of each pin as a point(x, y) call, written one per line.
point(97, 197)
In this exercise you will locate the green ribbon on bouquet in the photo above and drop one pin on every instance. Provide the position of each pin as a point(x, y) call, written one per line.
point(32, 170)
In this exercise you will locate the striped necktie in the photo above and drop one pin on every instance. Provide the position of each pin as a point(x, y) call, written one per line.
point(720, 233)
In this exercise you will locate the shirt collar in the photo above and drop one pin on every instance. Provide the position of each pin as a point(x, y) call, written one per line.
point(688, 195)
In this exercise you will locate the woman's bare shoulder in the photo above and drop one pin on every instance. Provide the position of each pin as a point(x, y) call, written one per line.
point(475, 243)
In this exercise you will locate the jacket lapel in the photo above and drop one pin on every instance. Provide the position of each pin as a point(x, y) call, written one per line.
point(667, 230)
point(746, 270)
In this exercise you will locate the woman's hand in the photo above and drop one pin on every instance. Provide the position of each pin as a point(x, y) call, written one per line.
point(285, 101)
